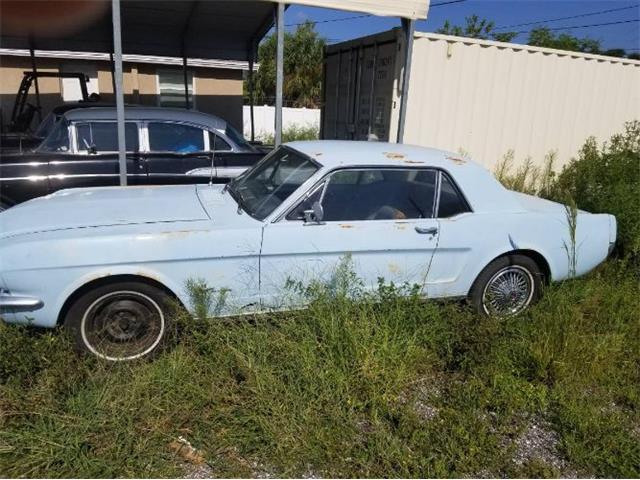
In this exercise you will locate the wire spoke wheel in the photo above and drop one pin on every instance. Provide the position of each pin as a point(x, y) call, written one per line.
point(508, 292)
point(122, 325)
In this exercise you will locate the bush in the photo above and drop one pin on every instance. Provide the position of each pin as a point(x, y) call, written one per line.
point(293, 133)
point(600, 180)
point(607, 180)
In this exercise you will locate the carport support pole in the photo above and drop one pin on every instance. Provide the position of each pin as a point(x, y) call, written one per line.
point(252, 52)
point(279, 70)
point(34, 69)
point(408, 28)
point(185, 74)
point(117, 57)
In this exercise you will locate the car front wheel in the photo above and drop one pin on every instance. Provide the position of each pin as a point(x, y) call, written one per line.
point(120, 321)
point(507, 286)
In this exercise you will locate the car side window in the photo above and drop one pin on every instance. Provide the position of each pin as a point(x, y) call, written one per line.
point(379, 194)
point(175, 137)
point(218, 143)
point(96, 137)
point(451, 201)
point(306, 204)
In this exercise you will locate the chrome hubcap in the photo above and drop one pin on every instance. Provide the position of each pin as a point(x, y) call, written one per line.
point(122, 325)
point(508, 292)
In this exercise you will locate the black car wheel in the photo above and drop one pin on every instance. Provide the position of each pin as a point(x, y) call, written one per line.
point(507, 286)
point(120, 321)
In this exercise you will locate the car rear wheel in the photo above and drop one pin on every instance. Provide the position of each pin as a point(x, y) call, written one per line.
point(507, 286)
point(120, 321)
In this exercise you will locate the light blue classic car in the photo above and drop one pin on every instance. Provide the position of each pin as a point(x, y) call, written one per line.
point(106, 262)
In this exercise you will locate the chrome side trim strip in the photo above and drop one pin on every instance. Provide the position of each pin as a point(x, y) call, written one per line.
point(18, 303)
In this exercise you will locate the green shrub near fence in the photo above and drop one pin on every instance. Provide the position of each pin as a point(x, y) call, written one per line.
point(601, 179)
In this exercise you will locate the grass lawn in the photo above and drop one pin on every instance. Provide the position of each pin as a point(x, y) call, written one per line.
point(378, 386)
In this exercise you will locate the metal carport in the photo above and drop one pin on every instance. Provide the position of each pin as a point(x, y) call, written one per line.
point(208, 29)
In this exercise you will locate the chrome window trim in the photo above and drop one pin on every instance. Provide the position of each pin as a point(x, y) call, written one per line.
point(458, 190)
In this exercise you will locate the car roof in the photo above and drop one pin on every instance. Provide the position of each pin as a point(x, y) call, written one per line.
point(478, 184)
point(334, 153)
point(148, 113)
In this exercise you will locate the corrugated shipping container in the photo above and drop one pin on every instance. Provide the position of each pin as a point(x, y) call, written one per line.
point(480, 97)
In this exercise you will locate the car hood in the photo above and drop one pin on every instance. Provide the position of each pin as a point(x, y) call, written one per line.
point(105, 206)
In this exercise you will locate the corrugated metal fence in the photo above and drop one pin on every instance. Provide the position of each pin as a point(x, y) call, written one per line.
point(488, 97)
point(480, 97)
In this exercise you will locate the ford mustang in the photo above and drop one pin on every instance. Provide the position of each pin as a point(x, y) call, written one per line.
point(107, 262)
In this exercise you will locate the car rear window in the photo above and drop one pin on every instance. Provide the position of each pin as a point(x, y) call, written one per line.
point(451, 201)
point(175, 137)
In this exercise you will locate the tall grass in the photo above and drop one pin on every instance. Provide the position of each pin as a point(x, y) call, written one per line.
point(527, 178)
point(358, 384)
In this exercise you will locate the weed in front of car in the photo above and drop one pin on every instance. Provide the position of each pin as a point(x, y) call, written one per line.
point(358, 384)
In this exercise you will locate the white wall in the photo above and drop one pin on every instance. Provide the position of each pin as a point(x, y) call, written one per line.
point(486, 98)
point(264, 117)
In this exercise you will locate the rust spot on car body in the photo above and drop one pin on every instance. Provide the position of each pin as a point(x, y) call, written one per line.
point(457, 160)
point(179, 233)
point(346, 225)
point(402, 157)
point(394, 155)
point(400, 225)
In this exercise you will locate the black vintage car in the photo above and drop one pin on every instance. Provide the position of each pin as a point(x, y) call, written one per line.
point(164, 146)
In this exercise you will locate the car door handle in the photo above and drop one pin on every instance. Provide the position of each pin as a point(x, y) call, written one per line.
point(427, 230)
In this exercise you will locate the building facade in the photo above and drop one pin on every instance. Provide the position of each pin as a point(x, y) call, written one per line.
point(215, 86)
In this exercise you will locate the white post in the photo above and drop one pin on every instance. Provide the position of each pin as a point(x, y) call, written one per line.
point(117, 57)
point(279, 71)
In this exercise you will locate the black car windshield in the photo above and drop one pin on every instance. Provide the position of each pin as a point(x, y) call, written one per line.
point(46, 125)
point(57, 140)
point(263, 188)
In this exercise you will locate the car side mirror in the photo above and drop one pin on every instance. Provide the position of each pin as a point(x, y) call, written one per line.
point(315, 215)
point(92, 150)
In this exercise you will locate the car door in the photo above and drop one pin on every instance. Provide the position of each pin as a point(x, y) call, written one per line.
point(379, 220)
point(94, 159)
point(462, 234)
point(178, 153)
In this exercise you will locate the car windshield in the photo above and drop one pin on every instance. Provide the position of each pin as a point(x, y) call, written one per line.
point(57, 140)
point(46, 125)
point(263, 188)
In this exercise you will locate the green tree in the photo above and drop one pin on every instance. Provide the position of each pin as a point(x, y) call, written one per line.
point(544, 37)
point(476, 27)
point(303, 57)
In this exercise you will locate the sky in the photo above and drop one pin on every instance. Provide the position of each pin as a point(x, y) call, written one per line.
point(504, 13)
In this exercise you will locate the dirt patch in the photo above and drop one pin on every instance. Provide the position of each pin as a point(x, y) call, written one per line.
point(539, 442)
point(421, 396)
point(198, 471)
